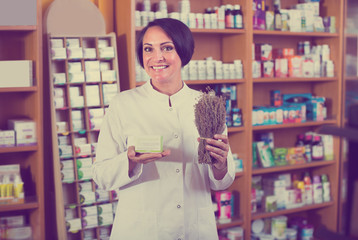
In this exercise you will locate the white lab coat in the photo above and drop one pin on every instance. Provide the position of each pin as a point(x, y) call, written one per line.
point(169, 198)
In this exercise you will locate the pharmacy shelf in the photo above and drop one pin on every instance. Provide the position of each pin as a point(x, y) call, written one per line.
point(210, 31)
point(261, 215)
point(28, 205)
point(293, 125)
point(299, 34)
point(292, 79)
point(18, 28)
point(19, 89)
point(261, 171)
point(233, 223)
point(18, 149)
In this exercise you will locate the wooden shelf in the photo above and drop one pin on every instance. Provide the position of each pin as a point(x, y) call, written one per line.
point(18, 149)
point(292, 79)
point(295, 34)
point(294, 125)
point(210, 31)
point(19, 89)
point(28, 205)
point(236, 129)
point(18, 28)
point(260, 215)
point(260, 171)
point(234, 222)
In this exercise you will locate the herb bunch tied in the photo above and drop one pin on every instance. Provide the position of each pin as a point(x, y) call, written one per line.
point(209, 120)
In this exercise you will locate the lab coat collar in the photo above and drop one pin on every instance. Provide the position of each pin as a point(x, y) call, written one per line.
point(175, 99)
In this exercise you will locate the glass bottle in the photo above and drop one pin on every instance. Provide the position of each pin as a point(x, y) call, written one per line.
point(317, 148)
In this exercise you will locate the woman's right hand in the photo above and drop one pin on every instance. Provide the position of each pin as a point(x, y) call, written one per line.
point(143, 158)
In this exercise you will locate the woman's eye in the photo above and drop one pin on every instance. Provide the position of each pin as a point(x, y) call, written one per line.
point(147, 49)
point(168, 48)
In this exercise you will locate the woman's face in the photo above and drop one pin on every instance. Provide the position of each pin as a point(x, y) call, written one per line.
point(160, 59)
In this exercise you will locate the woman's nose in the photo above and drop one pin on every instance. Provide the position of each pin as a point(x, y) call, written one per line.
point(158, 55)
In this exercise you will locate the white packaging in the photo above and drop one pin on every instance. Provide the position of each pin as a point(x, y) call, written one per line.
point(76, 115)
point(59, 102)
point(65, 151)
point(199, 20)
point(61, 127)
point(104, 208)
point(146, 143)
point(193, 70)
point(210, 69)
point(92, 66)
point(92, 95)
point(74, 67)
point(74, 53)
point(102, 43)
point(80, 140)
point(66, 164)
point(67, 175)
point(207, 21)
point(106, 52)
point(95, 123)
point(19, 233)
point(294, 20)
point(7, 138)
point(109, 75)
point(77, 101)
point(56, 42)
point(219, 70)
point(16, 73)
point(89, 211)
point(77, 125)
point(201, 69)
point(59, 78)
point(73, 225)
point(90, 222)
point(85, 187)
point(76, 77)
point(105, 219)
point(25, 131)
point(83, 149)
point(89, 53)
point(93, 76)
point(72, 42)
point(231, 71)
point(87, 198)
point(58, 53)
point(84, 162)
point(102, 196)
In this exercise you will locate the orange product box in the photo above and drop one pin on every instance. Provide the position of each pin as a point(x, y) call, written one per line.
point(295, 66)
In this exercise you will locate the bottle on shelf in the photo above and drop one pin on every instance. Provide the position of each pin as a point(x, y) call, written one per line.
point(308, 195)
point(238, 17)
point(308, 150)
point(229, 17)
point(300, 140)
point(278, 20)
point(326, 188)
point(317, 189)
point(317, 148)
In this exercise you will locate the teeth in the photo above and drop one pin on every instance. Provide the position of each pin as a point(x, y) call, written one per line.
point(158, 68)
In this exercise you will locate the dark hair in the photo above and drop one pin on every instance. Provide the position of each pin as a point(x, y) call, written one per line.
point(180, 34)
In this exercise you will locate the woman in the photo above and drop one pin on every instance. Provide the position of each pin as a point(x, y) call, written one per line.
point(163, 195)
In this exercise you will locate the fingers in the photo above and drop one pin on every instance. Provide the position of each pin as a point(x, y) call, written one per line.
point(145, 157)
point(218, 148)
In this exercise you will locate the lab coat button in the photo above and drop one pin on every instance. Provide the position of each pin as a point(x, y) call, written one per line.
point(170, 109)
point(176, 135)
point(178, 206)
point(177, 170)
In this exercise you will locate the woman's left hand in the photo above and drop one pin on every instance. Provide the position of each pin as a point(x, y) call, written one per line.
point(219, 149)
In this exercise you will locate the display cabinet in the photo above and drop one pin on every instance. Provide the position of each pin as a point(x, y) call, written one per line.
point(84, 77)
point(228, 45)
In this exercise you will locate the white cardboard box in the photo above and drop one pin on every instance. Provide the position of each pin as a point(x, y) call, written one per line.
point(16, 73)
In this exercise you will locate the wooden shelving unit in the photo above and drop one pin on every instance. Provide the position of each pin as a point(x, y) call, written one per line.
point(230, 44)
point(24, 42)
point(81, 131)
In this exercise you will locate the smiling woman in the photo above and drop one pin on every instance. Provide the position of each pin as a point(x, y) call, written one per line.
point(163, 195)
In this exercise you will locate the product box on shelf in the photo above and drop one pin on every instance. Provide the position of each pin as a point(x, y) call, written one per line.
point(17, 73)
point(25, 131)
point(11, 185)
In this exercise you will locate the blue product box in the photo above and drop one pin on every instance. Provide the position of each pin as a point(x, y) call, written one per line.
point(290, 99)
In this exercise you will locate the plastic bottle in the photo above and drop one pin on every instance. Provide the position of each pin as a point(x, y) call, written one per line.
point(278, 20)
point(326, 195)
point(317, 148)
point(238, 18)
point(300, 140)
point(308, 188)
point(317, 190)
point(308, 150)
point(229, 17)
point(146, 5)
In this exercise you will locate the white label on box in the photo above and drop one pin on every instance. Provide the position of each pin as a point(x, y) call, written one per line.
point(73, 225)
point(87, 197)
point(58, 53)
point(76, 77)
point(109, 75)
point(59, 78)
point(74, 53)
point(89, 53)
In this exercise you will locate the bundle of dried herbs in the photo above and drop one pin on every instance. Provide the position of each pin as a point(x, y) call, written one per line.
point(210, 120)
